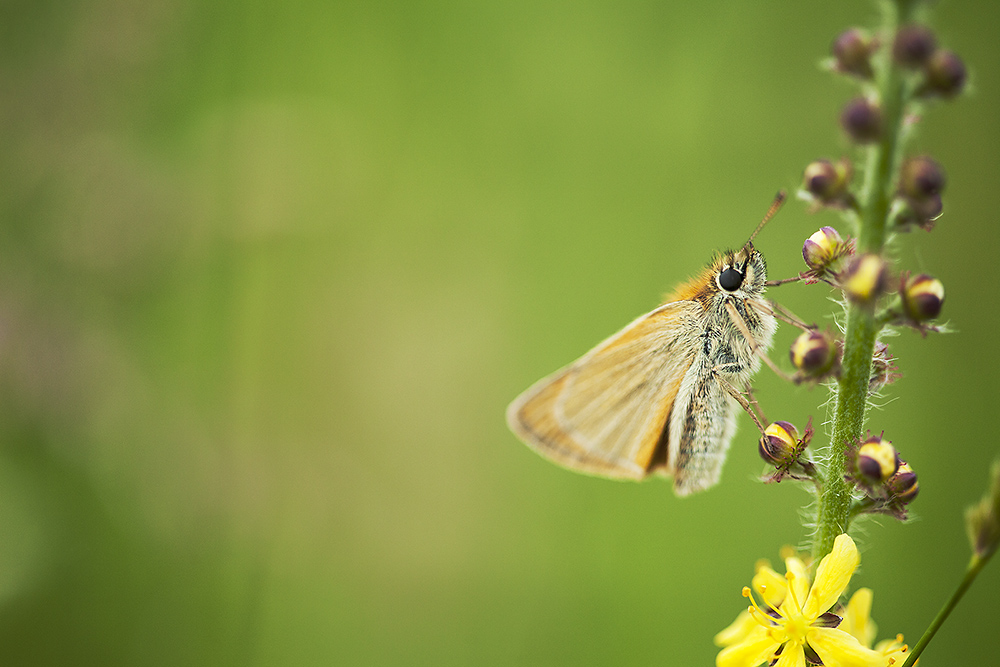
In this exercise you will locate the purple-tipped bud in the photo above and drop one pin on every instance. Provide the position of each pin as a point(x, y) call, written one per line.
point(865, 279)
point(902, 486)
point(826, 181)
point(923, 296)
point(913, 45)
point(862, 120)
point(945, 74)
point(814, 353)
point(877, 460)
point(822, 248)
point(921, 178)
point(820, 179)
point(778, 444)
point(852, 50)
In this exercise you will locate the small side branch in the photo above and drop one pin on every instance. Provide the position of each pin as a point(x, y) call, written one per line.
point(784, 281)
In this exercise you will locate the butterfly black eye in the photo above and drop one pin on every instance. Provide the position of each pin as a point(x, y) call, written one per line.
point(730, 279)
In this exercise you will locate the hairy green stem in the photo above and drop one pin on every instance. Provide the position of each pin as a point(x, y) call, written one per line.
point(833, 512)
point(975, 565)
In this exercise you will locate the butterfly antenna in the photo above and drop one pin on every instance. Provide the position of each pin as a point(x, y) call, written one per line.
point(779, 199)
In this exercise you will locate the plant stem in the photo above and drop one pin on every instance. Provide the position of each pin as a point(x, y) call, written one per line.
point(975, 565)
point(833, 512)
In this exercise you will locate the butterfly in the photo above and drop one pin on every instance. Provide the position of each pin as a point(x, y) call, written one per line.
point(660, 397)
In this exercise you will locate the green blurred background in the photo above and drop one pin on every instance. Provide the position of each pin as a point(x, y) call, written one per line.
point(271, 272)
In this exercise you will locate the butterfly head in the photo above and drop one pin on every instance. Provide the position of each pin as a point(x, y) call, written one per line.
point(741, 272)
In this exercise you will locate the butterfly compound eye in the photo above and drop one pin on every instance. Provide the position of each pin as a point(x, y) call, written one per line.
point(730, 279)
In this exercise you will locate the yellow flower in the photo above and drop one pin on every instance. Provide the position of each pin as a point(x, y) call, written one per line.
point(893, 651)
point(801, 625)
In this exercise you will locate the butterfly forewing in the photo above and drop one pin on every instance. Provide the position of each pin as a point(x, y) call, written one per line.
point(605, 413)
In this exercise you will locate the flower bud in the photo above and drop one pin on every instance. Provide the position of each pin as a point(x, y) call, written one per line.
point(822, 248)
point(778, 444)
point(862, 120)
point(982, 520)
point(913, 45)
point(923, 296)
point(921, 178)
point(877, 460)
point(865, 279)
point(814, 353)
point(945, 74)
point(852, 50)
point(826, 181)
point(820, 179)
point(902, 486)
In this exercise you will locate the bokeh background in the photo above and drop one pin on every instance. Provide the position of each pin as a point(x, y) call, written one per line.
point(271, 272)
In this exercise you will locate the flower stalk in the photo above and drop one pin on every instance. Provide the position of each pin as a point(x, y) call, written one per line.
point(975, 565)
point(884, 157)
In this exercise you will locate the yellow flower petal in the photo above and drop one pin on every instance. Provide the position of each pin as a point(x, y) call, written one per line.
point(737, 630)
point(756, 648)
point(771, 586)
point(792, 656)
point(832, 576)
point(836, 647)
point(857, 618)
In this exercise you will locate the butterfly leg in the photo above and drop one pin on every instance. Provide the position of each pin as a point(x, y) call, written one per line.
point(742, 326)
point(747, 406)
point(748, 390)
point(777, 310)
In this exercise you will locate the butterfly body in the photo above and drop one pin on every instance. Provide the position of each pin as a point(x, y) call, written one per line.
point(656, 397)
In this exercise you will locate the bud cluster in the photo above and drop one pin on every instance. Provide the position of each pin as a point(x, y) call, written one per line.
point(915, 48)
point(864, 279)
point(875, 469)
point(935, 72)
